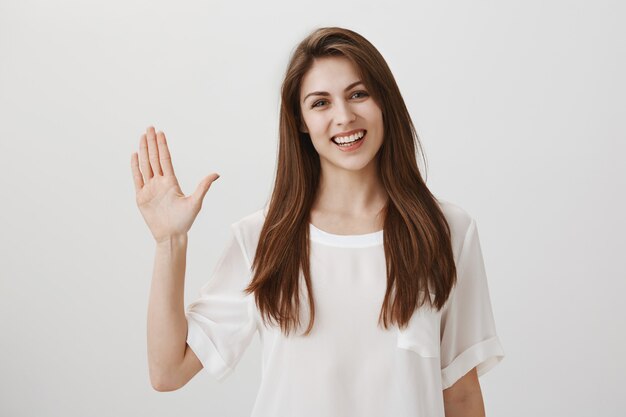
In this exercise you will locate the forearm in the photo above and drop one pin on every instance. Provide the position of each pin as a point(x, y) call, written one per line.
point(469, 406)
point(167, 325)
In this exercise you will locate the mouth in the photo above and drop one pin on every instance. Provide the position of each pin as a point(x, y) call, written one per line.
point(349, 141)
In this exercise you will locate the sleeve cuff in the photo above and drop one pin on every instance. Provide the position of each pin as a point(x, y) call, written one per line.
point(484, 356)
point(206, 351)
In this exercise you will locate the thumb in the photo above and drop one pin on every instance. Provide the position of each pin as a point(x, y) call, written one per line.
point(204, 186)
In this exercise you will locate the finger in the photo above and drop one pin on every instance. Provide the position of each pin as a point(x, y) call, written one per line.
point(164, 155)
point(134, 165)
point(153, 152)
point(143, 158)
point(204, 186)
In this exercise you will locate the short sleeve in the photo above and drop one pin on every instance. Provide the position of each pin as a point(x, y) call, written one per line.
point(221, 322)
point(468, 331)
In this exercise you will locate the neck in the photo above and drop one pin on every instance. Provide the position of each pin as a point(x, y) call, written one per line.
point(348, 193)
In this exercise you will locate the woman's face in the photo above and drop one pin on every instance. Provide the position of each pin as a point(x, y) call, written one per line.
point(336, 108)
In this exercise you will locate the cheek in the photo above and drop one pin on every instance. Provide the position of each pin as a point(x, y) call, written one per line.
point(315, 123)
point(376, 121)
point(373, 113)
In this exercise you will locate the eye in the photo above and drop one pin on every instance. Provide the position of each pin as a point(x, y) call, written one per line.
point(364, 94)
point(317, 102)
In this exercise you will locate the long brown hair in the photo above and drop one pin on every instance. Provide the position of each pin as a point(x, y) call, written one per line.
point(416, 240)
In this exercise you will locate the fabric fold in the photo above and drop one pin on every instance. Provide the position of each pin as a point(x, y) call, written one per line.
point(484, 356)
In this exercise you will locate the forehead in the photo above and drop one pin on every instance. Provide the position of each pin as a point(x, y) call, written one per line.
point(331, 74)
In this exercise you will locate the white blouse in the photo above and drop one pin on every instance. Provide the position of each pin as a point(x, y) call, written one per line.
point(348, 365)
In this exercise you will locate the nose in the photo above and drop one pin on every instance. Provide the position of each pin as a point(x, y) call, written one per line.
point(344, 114)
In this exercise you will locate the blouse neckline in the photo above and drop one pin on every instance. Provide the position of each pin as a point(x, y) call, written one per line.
point(345, 241)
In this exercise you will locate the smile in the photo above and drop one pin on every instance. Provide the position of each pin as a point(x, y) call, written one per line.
point(345, 141)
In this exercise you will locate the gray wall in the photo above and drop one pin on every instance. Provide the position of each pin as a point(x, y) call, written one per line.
point(520, 107)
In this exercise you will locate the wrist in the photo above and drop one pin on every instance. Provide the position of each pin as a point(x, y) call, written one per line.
point(170, 240)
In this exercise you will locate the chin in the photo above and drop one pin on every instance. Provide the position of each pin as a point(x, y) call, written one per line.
point(354, 166)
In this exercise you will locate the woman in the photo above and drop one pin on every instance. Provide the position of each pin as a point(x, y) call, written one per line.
point(388, 279)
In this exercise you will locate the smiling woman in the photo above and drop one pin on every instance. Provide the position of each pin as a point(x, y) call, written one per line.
point(385, 281)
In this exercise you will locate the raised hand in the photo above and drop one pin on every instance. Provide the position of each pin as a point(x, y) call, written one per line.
point(164, 207)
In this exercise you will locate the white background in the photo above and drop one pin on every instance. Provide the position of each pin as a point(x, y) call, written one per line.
point(520, 108)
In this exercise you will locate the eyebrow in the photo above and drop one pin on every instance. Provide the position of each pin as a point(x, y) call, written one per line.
point(324, 93)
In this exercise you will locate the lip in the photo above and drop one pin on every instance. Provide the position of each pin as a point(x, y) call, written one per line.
point(348, 133)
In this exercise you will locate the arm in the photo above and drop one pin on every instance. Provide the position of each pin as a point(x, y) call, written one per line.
point(469, 341)
point(464, 398)
point(172, 364)
point(169, 214)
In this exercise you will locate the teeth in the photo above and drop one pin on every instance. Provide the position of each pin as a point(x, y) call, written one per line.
point(351, 138)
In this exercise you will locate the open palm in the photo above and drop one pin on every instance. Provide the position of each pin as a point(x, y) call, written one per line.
point(164, 207)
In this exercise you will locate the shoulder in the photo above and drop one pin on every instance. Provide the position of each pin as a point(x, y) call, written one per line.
point(247, 230)
point(459, 220)
point(250, 221)
point(456, 215)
